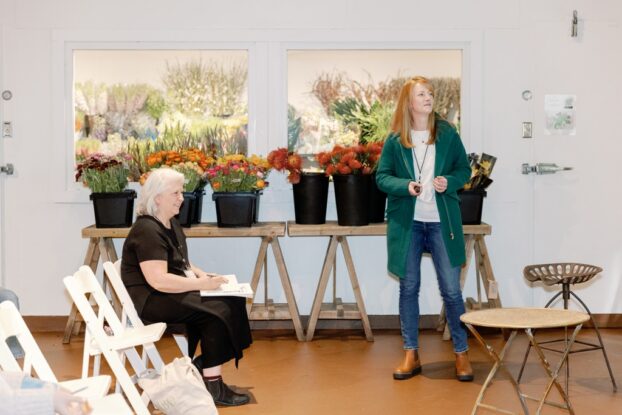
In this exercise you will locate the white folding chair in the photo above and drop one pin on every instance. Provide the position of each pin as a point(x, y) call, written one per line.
point(111, 404)
point(121, 342)
point(129, 314)
point(12, 324)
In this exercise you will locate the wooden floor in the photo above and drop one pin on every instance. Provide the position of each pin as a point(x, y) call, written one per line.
point(341, 373)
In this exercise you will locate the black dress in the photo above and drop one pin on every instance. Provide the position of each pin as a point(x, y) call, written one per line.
point(220, 323)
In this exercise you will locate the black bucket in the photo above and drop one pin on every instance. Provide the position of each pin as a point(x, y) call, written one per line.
point(188, 210)
point(198, 211)
point(311, 198)
point(377, 202)
point(471, 203)
point(113, 210)
point(352, 199)
point(236, 209)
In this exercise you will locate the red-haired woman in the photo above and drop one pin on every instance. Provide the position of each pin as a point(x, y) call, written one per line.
point(423, 164)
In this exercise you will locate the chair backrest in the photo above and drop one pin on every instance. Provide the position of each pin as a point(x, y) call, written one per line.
point(129, 314)
point(12, 324)
point(82, 285)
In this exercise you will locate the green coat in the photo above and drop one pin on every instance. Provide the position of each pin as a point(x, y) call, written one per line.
point(395, 171)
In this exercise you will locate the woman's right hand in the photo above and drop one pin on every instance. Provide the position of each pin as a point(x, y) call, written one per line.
point(414, 188)
point(212, 283)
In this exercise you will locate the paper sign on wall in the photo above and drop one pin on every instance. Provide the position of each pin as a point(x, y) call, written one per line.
point(560, 114)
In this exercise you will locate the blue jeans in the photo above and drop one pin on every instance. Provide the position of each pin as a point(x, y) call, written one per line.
point(427, 237)
point(8, 295)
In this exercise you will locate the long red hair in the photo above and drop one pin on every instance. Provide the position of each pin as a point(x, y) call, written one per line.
point(402, 118)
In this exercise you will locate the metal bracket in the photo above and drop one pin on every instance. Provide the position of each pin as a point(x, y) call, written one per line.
point(9, 169)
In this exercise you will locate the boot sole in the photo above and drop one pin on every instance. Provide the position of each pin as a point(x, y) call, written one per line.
point(465, 378)
point(221, 403)
point(404, 376)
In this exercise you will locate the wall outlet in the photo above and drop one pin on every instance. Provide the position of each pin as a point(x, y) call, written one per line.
point(7, 129)
point(527, 130)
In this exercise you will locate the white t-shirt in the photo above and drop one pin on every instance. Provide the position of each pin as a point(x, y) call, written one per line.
point(423, 158)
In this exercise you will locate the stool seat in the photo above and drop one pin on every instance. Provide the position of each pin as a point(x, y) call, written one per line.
point(561, 273)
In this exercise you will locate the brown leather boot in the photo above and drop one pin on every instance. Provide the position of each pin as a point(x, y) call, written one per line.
point(410, 366)
point(464, 371)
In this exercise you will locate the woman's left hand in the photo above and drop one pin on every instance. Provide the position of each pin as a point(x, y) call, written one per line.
point(440, 184)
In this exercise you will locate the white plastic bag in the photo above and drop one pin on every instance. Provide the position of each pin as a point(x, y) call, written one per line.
point(179, 390)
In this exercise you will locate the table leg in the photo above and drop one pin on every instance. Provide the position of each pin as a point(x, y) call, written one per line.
point(331, 251)
point(498, 365)
point(91, 259)
point(486, 271)
point(287, 288)
point(109, 253)
point(356, 288)
point(261, 259)
point(555, 373)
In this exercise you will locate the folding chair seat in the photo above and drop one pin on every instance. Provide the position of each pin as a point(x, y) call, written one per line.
point(119, 342)
point(129, 314)
point(12, 324)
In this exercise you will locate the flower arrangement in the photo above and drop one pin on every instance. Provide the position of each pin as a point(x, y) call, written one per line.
point(194, 176)
point(103, 174)
point(192, 163)
point(281, 160)
point(238, 173)
point(358, 159)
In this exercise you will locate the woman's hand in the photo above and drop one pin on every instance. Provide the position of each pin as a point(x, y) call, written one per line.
point(440, 184)
point(211, 283)
point(414, 188)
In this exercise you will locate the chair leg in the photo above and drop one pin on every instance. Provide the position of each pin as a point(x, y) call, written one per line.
point(553, 299)
point(522, 366)
point(600, 340)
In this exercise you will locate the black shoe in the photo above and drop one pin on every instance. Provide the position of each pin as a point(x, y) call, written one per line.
point(223, 395)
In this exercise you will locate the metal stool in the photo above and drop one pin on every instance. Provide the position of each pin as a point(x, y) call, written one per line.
point(567, 274)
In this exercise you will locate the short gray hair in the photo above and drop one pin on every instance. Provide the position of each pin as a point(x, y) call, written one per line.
point(157, 183)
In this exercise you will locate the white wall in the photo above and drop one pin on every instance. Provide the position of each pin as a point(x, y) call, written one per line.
point(43, 221)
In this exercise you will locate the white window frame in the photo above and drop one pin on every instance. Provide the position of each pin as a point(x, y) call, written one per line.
point(267, 77)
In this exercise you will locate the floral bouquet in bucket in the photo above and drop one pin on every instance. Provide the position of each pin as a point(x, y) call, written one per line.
point(357, 159)
point(103, 174)
point(237, 181)
point(107, 177)
point(192, 163)
point(283, 160)
point(238, 173)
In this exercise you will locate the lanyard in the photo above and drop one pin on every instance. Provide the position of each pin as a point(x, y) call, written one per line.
point(419, 168)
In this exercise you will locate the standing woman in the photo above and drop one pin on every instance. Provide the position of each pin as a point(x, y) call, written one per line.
point(165, 286)
point(422, 165)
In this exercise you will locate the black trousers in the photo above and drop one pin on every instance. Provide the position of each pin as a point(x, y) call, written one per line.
point(216, 345)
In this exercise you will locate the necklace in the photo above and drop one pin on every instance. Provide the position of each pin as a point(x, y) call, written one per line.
point(419, 168)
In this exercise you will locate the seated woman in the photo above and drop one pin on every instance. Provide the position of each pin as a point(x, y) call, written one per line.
point(165, 286)
point(22, 394)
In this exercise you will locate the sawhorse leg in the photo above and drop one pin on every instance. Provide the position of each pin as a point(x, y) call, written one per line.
point(91, 259)
point(329, 261)
point(261, 262)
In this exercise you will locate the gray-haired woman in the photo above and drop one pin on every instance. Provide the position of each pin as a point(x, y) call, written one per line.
point(165, 285)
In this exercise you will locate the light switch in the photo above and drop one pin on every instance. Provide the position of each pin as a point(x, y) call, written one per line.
point(7, 129)
point(527, 130)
